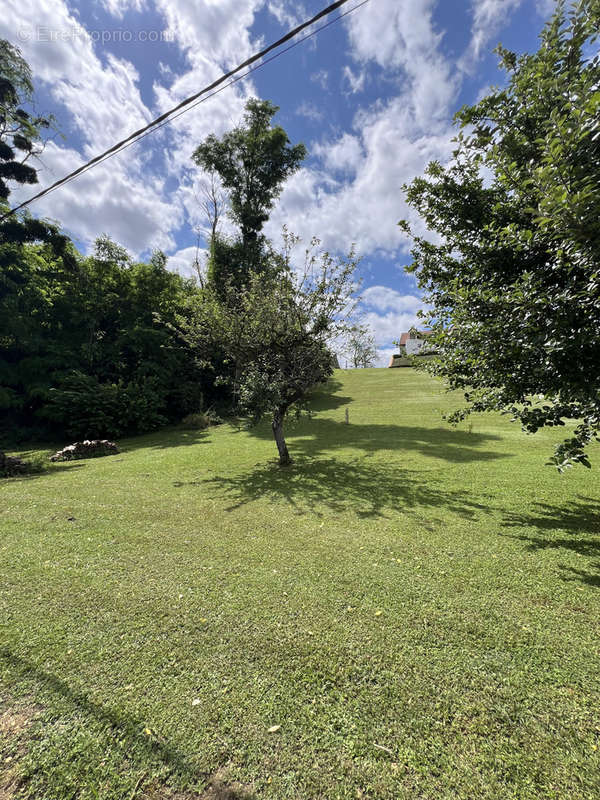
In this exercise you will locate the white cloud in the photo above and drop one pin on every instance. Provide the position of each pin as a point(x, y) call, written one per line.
point(384, 354)
point(345, 154)
point(357, 195)
point(388, 327)
point(489, 16)
point(126, 195)
point(389, 313)
point(201, 28)
point(365, 209)
point(121, 196)
point(399, 35)
point(545, 8)
point(214, 34)
point(118, 7)
point(321, 77)
point(116, 198)
point(382, 298)
point(102, 97)
point(284, 16)
point(183, 261)
point(104, 101)
point(356, 81)
point(310, 111)
point(352, 194)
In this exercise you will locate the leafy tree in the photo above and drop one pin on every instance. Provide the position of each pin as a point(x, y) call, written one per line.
point(87, 345)
point(514, 287)
point(21, 138)
point(87, 348)
point(279, 332)
point(26, 301)
point(361, 349)
point(20, 131)
point(252, 161)
point(130, 372)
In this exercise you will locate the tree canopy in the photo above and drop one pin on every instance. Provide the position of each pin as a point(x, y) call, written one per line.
point(253, 161)
point(278, 332)
point(360, 346)
point(20, 131)
point(86, 343)
point(514, 286)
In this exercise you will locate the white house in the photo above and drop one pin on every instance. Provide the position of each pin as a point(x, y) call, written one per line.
point(411, 342)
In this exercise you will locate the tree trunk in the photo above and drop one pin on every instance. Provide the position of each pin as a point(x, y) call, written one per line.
point(277, 425)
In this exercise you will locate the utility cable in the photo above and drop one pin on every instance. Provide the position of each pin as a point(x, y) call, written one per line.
point(196, 99)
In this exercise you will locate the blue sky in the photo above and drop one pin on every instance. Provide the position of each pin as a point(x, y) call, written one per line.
point(372, 97)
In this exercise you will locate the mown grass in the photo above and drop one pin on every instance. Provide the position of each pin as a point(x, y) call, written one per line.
point(415, 606)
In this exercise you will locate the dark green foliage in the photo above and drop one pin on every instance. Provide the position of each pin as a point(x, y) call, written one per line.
point(514, 289)
point(197, 421)
point(19, 130)
point(83, 407)
point(87, 347)
point(228, 262)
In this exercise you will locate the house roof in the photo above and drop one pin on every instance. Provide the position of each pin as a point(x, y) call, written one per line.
point(422, 335)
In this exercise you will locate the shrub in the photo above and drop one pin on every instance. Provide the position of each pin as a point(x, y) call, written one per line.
point(201, 419)
point(197, 421)
point(212, 417)
point(84, 407)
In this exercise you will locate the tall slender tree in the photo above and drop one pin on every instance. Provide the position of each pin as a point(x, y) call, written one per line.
point(253, 161)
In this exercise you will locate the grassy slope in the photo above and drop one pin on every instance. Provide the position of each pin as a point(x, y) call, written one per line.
point(431, 591)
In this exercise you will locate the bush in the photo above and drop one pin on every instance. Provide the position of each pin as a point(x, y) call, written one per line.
point(84, 407)
point(197, 421)
point(212, 417)
point(201, 419)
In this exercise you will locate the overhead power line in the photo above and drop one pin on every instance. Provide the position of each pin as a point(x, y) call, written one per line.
point(197, 98)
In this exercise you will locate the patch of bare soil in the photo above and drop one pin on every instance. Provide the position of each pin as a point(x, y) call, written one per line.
point(218, 789)
point(14, 725)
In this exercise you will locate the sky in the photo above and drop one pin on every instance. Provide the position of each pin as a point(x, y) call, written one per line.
point(372, 97)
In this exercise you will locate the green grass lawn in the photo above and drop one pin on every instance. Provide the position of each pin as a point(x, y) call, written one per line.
point(416, 608)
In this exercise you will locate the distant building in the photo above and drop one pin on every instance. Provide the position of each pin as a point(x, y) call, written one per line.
point(411, 343)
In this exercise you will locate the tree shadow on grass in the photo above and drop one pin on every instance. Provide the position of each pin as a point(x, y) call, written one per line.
point(129, 731)
point(579, 519)
point(313, 437)
point(366, 487)
point(47, 471)
point(165, 438)
point(324, 398)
